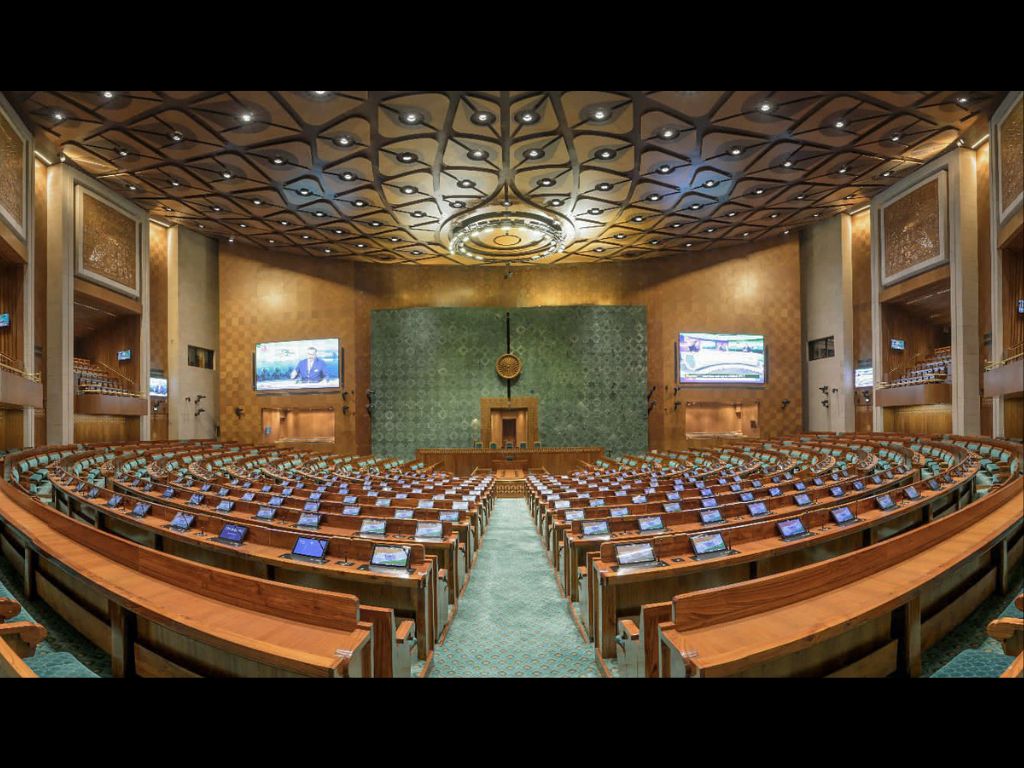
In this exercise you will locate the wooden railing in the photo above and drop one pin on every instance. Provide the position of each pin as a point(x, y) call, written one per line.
point(17, 366)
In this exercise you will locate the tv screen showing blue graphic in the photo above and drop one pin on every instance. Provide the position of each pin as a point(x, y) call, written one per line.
point(304, 364)
point(124, 354)
point(157, 387)
point(5, 320)
point(721, 358)
point(315, 548)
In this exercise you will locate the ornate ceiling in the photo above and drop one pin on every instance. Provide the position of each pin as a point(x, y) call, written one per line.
point(381, 176)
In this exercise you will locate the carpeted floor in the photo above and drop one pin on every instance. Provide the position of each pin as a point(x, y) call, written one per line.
point(512, 620)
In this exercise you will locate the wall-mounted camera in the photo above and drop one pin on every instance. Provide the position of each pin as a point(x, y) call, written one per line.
point(239, 411)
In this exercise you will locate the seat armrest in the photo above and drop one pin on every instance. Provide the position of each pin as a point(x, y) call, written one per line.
point(22, 636)
point(442, 574)
point(628, 630)
point(406, 632)
point(8, 609)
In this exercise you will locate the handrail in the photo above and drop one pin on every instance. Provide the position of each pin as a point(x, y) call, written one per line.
point(12, 364)
point(1012, 354)
point(118, 374)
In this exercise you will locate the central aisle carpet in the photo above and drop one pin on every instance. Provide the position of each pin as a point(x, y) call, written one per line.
point(512, 620)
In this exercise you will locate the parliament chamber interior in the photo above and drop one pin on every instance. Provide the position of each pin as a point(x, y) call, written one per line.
point(676, 384)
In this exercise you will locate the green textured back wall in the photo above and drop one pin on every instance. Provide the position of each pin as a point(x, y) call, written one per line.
point(587, 366)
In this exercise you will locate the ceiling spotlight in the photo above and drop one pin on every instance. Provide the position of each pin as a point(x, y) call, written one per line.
point(327, 250)
point(416, 253)
point(843, 169)
point(605, 154)
point(786, 232)
point(108, 94)
point(788, 164)
point(677, 225)
point(527, 117)
point(231, 239)
point(593, 211)
point(58, 116)
point(895, 137)
point(216, 208)
point(695, 206)
point(664, 169)
point(175, 183)
point(669, 133)
point(458, 204)
point(412, 118)
point(374, 223)
point(271, 241)
point(710, 229)
point(960, 142)
point(800, 197)
point(481, 117)
point(466, 183)
point(132, 187)
point(774, 216)
point(848, 197)
point(257, 201)
point(344, 140)
point(418, 214)
point(758, 191)
point(534, 153)
point(546, 182)
point(409, 190)
point(226, 174)
point(319, 213)
point(123, 152)
point(600, 113)
point(710, 183)
point(278, 161)
point(735, 151)
point(654, 197)
point(962, 100)
point(393, 239)
point(203, 226)
point(638, 218)
point(655, 242)
point(604, 186)
point(477, 154)
point(817, 215)
point(359, 203)
point(840, 124)
point(689, 245)
point(599, 250)
point(243, 226)
point(348, 176)
point(730, 214)
point(765, 107)
point(305, 237)
point(887, 173)
point(339, 231)
point(619, 236)
point(284, 223)
point(246, 117)
point(745, 234)
point(304, 191)
point(556, 202)
point(360, 245)
point(406, 157)
point(177, 136)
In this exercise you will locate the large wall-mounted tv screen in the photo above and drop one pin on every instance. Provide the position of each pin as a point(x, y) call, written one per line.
point(299, 365)
point(721, 358)
point(157, 386)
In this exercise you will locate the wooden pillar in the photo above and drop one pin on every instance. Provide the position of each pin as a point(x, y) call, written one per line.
point(123, 627)
point(907, 619)
point(29, 573)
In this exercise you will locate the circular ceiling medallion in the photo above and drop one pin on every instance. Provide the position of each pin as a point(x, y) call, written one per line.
point(508, 366)
point(508, 236)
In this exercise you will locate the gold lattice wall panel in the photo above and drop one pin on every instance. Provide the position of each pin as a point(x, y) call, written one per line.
point(1011, 159)
point(108, 244)
point(913, 230)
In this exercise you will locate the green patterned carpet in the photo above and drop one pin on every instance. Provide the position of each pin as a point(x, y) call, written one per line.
point(512, 620)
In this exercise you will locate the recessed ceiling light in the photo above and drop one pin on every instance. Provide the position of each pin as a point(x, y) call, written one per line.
point(619, 236)
point(458, 204)
point(374, 223)
point(226, 174)
point(800, 197)
point(327, 250)
point(175, 183)
point(393, 239)
point(305, 237)
point(676, 225)
point(257, 201)
point(246, 117)
point(344, 140)
point(774, 216)
point(416, 253)
point(534, 153)
point(409, 190)
point(243, 226)
point(203, 226)
point(466, 183)
point(786, 232)
point(477, 154)
point(556, 202)
point(108, 94)
point(284, 223)
point(735, 151)
point(527, 116)
point(669, 133)
point(758, 191)
point(58, 116)
point(359, 203)
point(418, 214)
point(480, 117)
point(817, 215)
point(840, 124)
point(710, 183)
point(338, 231)
point(730, 214)
point(962, 100)
point(689, 245)
point(406, 157)
point(887, 173)
point(319, 213)
point(278, 161)
point(231, 239)
point(895, 137)
point(655, 242)
point(599, 250)
point(304, 191)
point(695, 206)
point(216, 207)
point(604, 186)
point(638, 218)
point(600, 113)
point(123, 152)
point(132, 187)
point(271, 241)
point(843, 169)
point(360, 245)
point(546, 182)
point(605, 154)
point(848, 197)
point(177, 136)
point(710, 229)
point(765, 107)
point(319, 93)
point(788, 164)
point(412, 118)
point(664, 169)
point(654, 197)
point(745, 234)
point(593, 211)
point(348, 176)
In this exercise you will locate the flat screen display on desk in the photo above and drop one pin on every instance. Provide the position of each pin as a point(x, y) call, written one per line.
point(618, 512)
point(709, 503)
point(574, 514)
point(775, 491)
point(841, 514)
point(182, 521)
point(671, 506)
point(115, 500)
point(306, 364)
point(157, 386)
point(746, 496)
point(708, 516)
point(266, 513)
point(704, 543)
point(141, 509)
point(911, 492)
point(225, 505)
point(721, 358)
point(885, 502)
point(757, 509)
point(195, 498)
point(802, 499)
point(309, 520)
point(235, 533)
point(597, 528)
point(634, 554)
point(789, 529)
point(836, 491)
point(311, 506)
point(653, 523)
point(390, 556)
point(858, 485)
point(374, 527)
point(310, 547)
point(429, 530)
point(449, 517)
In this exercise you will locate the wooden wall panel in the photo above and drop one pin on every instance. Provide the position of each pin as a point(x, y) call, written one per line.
point(1013, 417)
point(747, 289)
point(1013, 289)
point(920, 337)
point(860, 232)
point(298, 424)
point(105, 429)
point(919, 419)
point(11, 421)
point(12, 278)
point(984, 260)
point(39, 286)
point(157, 300)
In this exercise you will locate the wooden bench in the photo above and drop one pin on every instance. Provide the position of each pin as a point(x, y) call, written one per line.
point(866, 613)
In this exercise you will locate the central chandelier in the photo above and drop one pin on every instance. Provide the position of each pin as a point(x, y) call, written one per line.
point(508, 236)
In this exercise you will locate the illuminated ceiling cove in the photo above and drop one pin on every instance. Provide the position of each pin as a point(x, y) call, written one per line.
point(396, 177)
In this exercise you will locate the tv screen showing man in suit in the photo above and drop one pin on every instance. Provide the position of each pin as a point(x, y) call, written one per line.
point(305, 364)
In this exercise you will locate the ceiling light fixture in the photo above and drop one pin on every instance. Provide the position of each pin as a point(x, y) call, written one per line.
point(481, 117)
